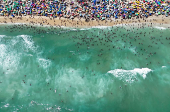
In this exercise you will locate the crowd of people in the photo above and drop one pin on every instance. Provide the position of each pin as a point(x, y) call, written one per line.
point(87, 9)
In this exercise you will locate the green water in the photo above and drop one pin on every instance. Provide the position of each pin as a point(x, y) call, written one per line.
point(114, 69)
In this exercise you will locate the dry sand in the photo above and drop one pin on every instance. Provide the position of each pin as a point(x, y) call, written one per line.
point(77, 23)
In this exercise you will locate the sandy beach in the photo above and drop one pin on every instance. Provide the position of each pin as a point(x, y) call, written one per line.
point(81, 23)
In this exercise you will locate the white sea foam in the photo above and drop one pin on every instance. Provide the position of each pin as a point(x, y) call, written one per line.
point(83, 29)
point(14, 41)
point(12, 51)
point(106, 27)
point(1, 36)
point(72, 51)
point(132, 49)
point(163, 66)
point(2, 50)
point(7, 105)
point(28, 42)
point(48, 78)
point(44, 62)
point(160, 28)
point(78, 79)
point(58, 108)
point(69, 109)
point(101, 27)
point(8, 59)
point(129, 75)
point(29, 55)
point(84, 57)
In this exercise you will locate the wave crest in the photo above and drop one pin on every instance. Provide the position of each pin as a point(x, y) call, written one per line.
point(129, 75)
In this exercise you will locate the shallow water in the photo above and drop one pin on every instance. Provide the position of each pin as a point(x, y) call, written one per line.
point(114, 69)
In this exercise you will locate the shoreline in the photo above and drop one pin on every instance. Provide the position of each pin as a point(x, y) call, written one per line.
point(76, 23)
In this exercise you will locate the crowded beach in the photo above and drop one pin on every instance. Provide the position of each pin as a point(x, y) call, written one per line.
point(90, 13)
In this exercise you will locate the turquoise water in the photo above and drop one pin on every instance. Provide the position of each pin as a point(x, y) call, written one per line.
point(114, 69)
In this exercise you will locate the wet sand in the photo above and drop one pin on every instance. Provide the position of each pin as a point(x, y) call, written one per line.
point(81, 23)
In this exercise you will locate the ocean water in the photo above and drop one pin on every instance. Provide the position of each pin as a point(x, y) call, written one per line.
point(105, 69)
